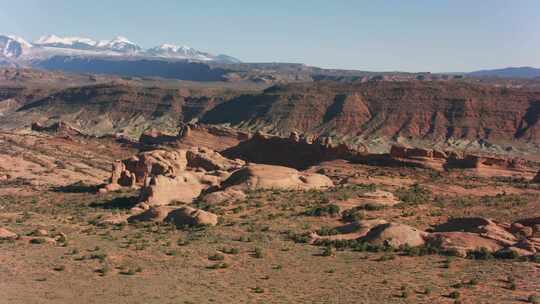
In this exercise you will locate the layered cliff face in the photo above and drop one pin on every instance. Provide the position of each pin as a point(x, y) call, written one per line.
point(434, 111)
point(354, 113)
point(111, 108)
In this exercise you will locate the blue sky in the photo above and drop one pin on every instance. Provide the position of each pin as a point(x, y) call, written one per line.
point(407, 35)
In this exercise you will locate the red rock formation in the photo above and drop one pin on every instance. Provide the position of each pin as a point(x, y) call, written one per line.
point(59, 128)
point(213, 137)
point(154, 137)
point(536, 179)
point(296, 151)
point(137, 170)
point(434, 111)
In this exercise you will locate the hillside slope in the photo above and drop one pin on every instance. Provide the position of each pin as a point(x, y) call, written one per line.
point(434, 111)
point(110, 108)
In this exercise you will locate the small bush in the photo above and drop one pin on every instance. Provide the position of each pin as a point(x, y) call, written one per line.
point(330, 209)
point(257, 290)
point(373, 206)
point(59, 268)
point(352, 215)
point(415, 194)
point(386, 257)
point(482, 254)
point(454, 294)
point(258, 253)
point(328, 251)
point(507, 254)
point(182, 242)
point(38, 241)
point(324, 231)
point(221, 265)
point(230, 250)
point(216, 257)
point(533, 299)
point(103, 270)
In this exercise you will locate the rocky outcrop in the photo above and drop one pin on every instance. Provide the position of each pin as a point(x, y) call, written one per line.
point(256, 176)
point(427, 158)
point(188, 216)
point(134, 171)
point(536, 179)
point(443, 160)
point(153, 214)
point(179, 216)
point(296, 151)
point(209, 160)
point(164, 190)
point(6, 234)
point(155, 137)
point(460, 236)
point(430, 110)
point(138, 170)
point(217, 138)
point(58, 128)
point(462, 243)
point(227, 195)
point(395, 235)
point(466, 235)
point(482, 226)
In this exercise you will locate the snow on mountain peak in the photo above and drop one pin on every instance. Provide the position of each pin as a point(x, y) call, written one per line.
point(50, 45)
point(12, 46)
point(121, 39)
point(68, 41)
point(121, 44)
point(174, 48)
point(20, 40)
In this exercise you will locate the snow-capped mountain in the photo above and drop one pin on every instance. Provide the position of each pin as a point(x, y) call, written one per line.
point(12, 46)
point(119, 44)
point(65, 42)
point(117, 56)
point(15, 48)
point(181, 52)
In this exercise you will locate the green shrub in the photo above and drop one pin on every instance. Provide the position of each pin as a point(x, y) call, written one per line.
point(221, 265)
point(330, 209)
point(482, 254)
point(352, 215)
point(328, 251)
point(533, 299)
point(258, 253)
point(230, 250)
point(59, 268)
point(216, 257)
point(324, 231)
point(257, 290)
point(415, 194)
point(454, 294)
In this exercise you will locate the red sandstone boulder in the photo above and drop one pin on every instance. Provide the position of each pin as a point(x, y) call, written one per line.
point(188, 216)
point(482, 226)
point(228, 195)
point(255, 176)
point(395, 235)
point(462, 243)
point(7, 234)
point(164, 190)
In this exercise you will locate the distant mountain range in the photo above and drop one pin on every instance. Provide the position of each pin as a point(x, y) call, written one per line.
point(18, 51)
point(120, 56)
point(510, 72)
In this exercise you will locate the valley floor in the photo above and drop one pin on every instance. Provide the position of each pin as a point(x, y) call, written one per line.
point(256, 253)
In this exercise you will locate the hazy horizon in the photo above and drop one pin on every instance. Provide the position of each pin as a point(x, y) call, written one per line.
point(412, 36)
